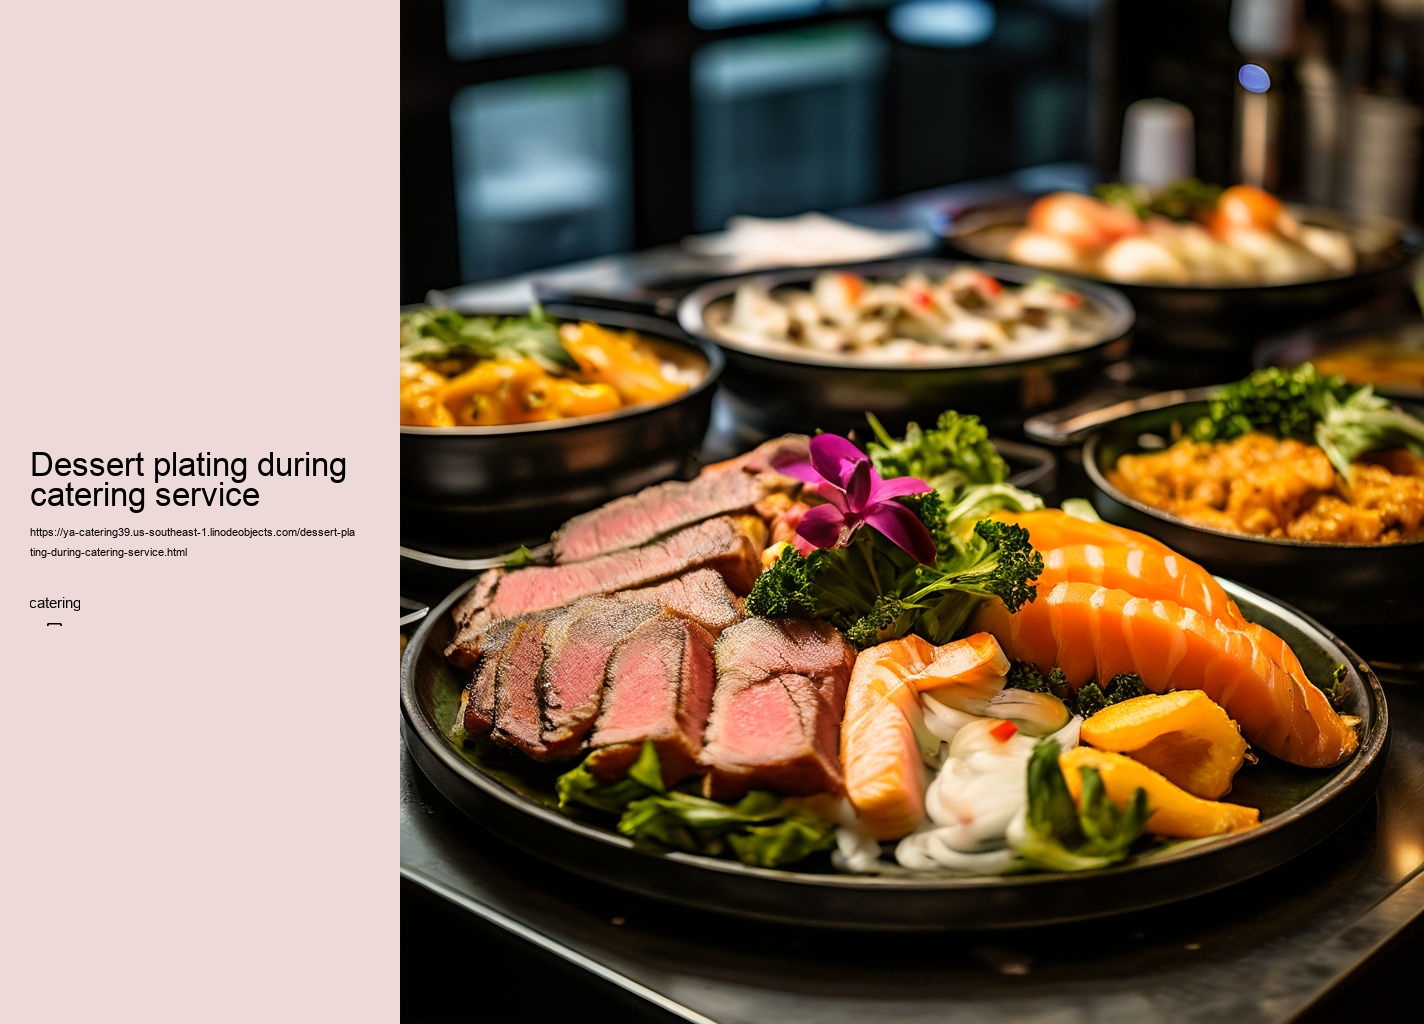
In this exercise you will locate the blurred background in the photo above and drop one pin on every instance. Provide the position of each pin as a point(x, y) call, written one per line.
point(540, 132)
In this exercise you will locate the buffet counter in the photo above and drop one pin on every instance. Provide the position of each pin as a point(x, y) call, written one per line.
point(1314, 939)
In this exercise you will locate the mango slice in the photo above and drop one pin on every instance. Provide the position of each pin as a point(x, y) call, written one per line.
point(1185, 735)
point(1175, 812)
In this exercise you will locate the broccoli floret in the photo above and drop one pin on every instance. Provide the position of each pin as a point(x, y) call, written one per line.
point(878, 625)
point(786, 589)
point(1024, 675)
point(1001, 562)
point(1091, 699)
point(1125, 686)
point(930, 507)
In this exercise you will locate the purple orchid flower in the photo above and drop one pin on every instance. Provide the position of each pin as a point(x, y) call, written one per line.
point(857, 495)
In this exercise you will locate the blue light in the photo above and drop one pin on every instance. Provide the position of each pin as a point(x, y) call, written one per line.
point(944, 23)
point(1254, 78)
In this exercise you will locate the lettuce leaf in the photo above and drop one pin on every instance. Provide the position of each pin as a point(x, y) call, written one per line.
point(760, 829)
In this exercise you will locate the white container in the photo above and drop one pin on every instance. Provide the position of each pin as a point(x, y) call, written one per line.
point(1157, 143)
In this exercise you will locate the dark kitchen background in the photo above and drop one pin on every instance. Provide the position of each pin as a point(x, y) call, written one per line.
point(539, 132)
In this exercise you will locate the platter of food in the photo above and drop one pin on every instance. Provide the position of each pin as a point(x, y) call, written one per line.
point(817, 347)
point(881, 687)
point(1203, 266)
point(512, 424)
point(1289, 479)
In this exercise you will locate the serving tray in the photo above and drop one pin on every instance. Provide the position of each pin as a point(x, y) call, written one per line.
point(1299, 807)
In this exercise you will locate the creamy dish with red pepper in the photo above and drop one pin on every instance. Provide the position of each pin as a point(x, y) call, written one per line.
point(964, 316)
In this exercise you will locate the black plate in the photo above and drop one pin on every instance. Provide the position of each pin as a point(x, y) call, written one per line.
point(1299, 808)
point(1348, 586)
point(1190, 317)
point(776, 393)
point(509, 483)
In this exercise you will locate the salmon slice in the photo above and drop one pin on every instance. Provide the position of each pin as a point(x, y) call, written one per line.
point(1098, 632)
point(1142, 572)
point(884, 773)
point(973, 660)
point(1051, 529)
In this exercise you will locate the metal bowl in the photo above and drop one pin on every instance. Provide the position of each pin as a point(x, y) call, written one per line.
point(1402, 331)
point(774, 392)
point(1191, 317)
point(471, 488)
point(1348, 586)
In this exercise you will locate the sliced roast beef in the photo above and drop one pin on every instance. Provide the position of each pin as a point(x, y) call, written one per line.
point(736, 485)
point(479, 596)
point(780, 697)
point(478, 701)
point(730, 544)
point(658, 687)
point(518, 719)
point(765, 457)
point(654, 511)
point(576, 652)
point(702, 596)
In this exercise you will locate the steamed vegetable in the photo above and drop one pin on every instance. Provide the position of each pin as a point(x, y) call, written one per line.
point(1089, 698)
point(1301, 403)
point(761, 828)
point(873, 591)
point(1092, 698)
point(1057, 832)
